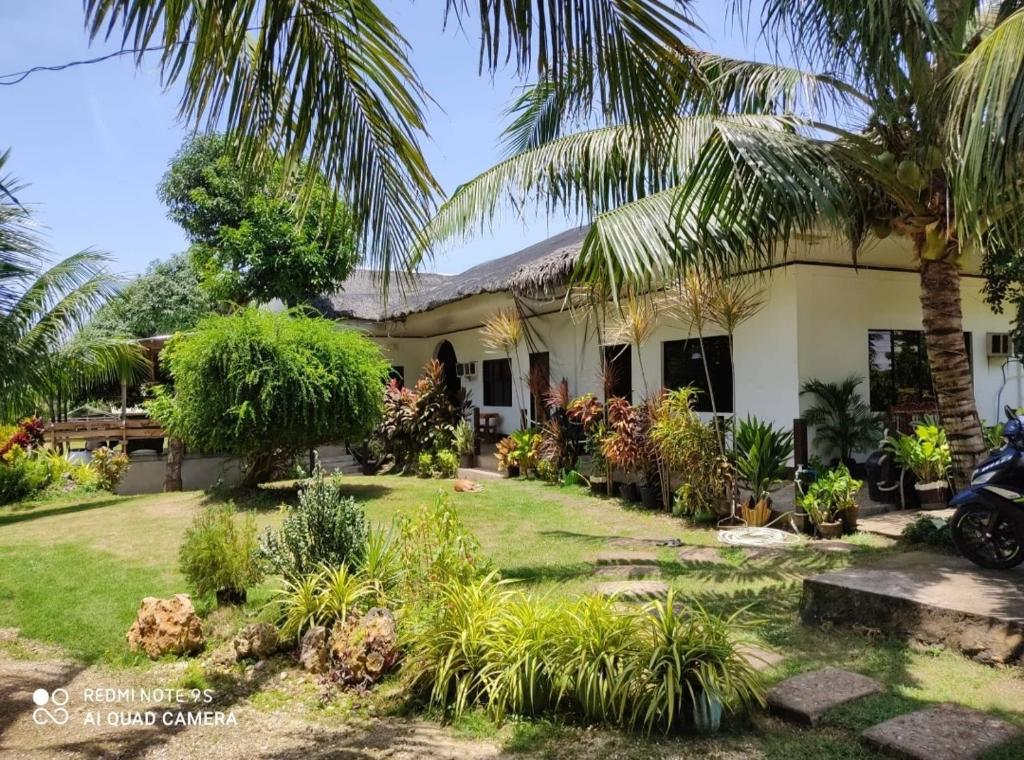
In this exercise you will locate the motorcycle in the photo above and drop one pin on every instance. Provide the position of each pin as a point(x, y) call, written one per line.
point(988, 525)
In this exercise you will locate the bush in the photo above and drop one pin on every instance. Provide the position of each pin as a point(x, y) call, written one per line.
point(109, 467)
point(22, 474)
point(219, 554)
point(263, 386)
point(425, 464)
point(446, 464)
point(435, 548)
point(485, 644)
point(325, 529)
point(418, 419)
point(930, 531)
point(322, 597)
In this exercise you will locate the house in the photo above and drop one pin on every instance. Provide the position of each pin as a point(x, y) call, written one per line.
point(823, 318)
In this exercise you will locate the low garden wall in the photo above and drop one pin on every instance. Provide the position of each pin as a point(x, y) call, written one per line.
point(198, 471)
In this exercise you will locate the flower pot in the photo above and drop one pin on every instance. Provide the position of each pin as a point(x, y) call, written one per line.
point(798, 520)
point(628, 491)
point(531, 474)
point(707, 714)
point(599, 486)
point(757, 514)
point(469, 460)
point(513, 471)
point(650, 496)
point(933, 495)
point(830, 529)
point(371, 468)
point(230, 596)
point(849, 517)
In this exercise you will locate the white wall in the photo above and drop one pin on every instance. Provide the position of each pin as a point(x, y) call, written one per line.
point(838, 306)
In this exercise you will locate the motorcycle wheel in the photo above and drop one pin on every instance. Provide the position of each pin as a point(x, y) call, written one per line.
point(988, 536)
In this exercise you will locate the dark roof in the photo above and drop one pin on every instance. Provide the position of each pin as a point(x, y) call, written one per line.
point(547, 262)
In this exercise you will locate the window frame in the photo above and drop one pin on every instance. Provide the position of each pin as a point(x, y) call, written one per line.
point(490, 397)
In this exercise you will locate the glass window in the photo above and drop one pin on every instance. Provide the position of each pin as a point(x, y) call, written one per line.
point(497, 382)
point(898, 368)
point(682, 365)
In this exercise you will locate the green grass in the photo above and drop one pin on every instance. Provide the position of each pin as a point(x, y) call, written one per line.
point(73, 570)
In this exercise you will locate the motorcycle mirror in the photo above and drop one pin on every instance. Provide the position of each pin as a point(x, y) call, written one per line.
point(1010, 413)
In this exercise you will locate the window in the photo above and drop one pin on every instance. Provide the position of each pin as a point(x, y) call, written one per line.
point(898, 368)
point(497, 382)
point(683, 365)
point(618, 369)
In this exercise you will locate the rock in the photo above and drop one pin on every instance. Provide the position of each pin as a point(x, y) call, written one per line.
point(364, 648)
point(256, 641)
point(313, 650)
point(166, 626)
point(945, 732)
point(222, 658)
point(808, 696)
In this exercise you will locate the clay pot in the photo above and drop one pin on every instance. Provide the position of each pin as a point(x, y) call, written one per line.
point(628, 491)
point(934, 495)
point(651, 497)
point(830, 530)
point(849, 518)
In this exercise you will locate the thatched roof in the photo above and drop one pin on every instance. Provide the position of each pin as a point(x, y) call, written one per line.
point(537, 271)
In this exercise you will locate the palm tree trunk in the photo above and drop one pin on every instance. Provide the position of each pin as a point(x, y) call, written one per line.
point(947, 357)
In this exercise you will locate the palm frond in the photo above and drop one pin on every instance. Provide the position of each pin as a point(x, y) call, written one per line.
point(878, 45)
point(628, 58)
point(985, 132)
point(584, 173)
point(328, 81)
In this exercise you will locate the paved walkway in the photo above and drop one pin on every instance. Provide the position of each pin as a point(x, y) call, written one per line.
point(891, 524)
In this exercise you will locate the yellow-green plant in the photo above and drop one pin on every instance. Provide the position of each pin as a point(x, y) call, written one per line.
point(110, 467)
point(381, 565)
point(340, 592)
point(297, 605)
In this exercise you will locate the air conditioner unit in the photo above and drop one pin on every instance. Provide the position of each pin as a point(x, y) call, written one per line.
point(999, 345)
point(465, 369)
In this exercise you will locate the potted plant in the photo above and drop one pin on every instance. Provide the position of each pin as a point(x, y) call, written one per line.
point(527, 451)
point(463, 440)
point(831, 502)
point(925, 453)
point(624, 446)
point(843, 422)
point(507, 454)
point(761, 453)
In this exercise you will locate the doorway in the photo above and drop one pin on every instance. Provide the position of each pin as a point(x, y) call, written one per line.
point(446, 356)
point(618, 372)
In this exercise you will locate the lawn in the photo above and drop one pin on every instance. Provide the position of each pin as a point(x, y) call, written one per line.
point(72, 573)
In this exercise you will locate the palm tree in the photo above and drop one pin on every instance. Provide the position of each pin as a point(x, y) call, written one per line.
point(913, 130)
point(329, 82)
point(44, 354)
point(842, 421)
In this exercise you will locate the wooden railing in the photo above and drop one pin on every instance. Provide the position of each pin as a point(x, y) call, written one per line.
point(103, 429)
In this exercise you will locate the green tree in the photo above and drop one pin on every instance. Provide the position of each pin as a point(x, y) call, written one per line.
point(45, 355)
point(163, 300)
point(913, 130)
point(265, 386)
point(250, 240)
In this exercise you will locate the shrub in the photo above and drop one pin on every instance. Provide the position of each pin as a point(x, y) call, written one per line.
point(930, 531)
point(689, 448)
point(435, 547)
point(842, 421)
point(926, 453)
point(628, 444)
point(219, 554)
point(22, 474)
point(109, 466)
point(761, 454)
point(418, 419)
point(381, 565)
point(326, 528)
point(27, 435)
point(446, 464)
point(324, 597)
point(833, 492)
point(425, 464)
point(485, 644)
point(264, 386)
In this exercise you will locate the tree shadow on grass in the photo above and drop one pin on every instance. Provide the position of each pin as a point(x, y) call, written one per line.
point(40, 511)
point(270, 497)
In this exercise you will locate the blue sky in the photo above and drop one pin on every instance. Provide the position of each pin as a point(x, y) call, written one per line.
point(93, 141)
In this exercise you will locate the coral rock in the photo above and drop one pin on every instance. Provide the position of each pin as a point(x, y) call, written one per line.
point(313, 650)
point(257, 641)
point(364, 648)
point(166, 626)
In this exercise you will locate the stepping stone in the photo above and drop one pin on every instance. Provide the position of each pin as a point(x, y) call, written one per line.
point(766, 552)
point(634, 591)
point(831, 547)
point(806, 697)
point(628, 571)
point(627, 558)
point(701, 554)
point(633, 543)
point(946, 732)
point(759, 659)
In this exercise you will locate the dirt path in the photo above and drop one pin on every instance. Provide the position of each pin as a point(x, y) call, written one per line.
point(248, 733)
